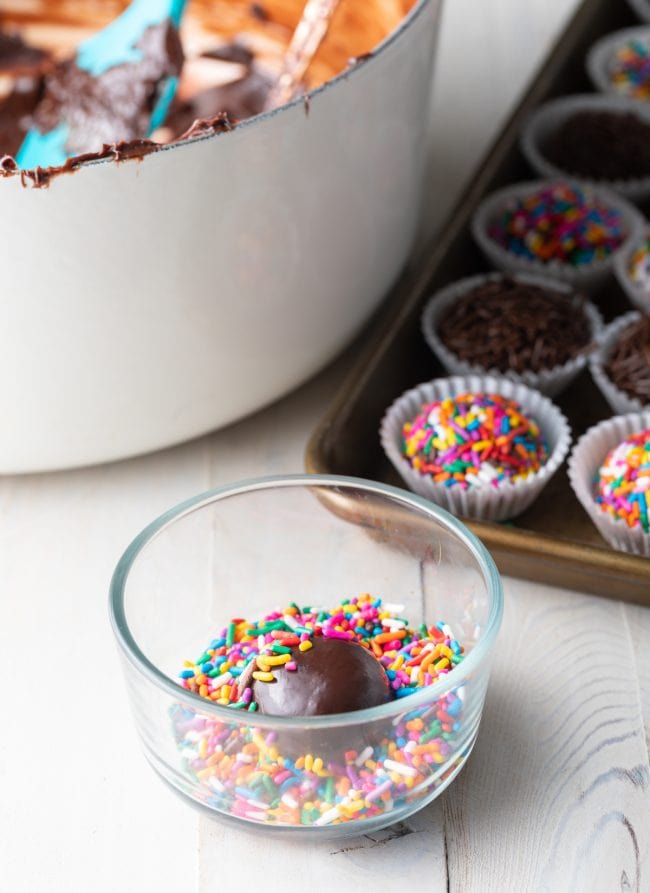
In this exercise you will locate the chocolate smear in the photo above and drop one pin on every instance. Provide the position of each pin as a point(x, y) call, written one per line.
point(114, 107)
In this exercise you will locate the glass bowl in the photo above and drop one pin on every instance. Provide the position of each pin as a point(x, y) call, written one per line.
point(239, 552)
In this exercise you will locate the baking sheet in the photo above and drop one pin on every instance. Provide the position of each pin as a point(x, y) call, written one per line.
point(554, 541)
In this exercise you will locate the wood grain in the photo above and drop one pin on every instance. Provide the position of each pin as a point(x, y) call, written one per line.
point(638, 624)
point(557, 791)
point(77, 796)
point(411, 853)
point(555, 795)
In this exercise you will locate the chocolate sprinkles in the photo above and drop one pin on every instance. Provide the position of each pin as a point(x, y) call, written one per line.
point(510, 325)
point(629, 363)
point(601, 145)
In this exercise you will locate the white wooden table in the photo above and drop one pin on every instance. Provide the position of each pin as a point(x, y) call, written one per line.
point(556, 795)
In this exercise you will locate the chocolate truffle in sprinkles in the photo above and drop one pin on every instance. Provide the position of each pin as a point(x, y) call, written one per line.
point(330, 676)
point(629, 69)
point(628, 366)
point(622, 488)
point(312, 777)
point(473, 441)
point(252, 652)
point(562, 223)
point(639, 267)
point(505, 324)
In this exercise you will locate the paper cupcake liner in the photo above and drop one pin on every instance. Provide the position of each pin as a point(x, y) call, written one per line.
point(548, 381)
point(600, 55)
point(635, 292)
point(586, 458)
point(641, 8)
point(619, 401)
point(509, 500)
point(551, 116)
point(589, 277)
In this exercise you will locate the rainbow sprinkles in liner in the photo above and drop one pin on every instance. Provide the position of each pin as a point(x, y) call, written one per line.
point(473, 441)
point(560, 223)
point(639, 267)
point(629, 70)
point(623, 482)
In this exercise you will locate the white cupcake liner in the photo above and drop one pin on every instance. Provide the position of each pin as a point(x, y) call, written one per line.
point(599, 58)
point(619, 401)
point(489, 504)
point(550, 117)
point(585, 460)
point(548, 381)
point(589, 277)
point(641, 8)
point(638, 296)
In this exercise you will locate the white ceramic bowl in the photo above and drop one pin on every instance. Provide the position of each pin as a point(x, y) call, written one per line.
point(145, 303)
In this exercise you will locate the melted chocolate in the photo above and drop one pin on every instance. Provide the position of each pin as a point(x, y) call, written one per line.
point(236, 100)
point(208, 126)
point(16, 111)
point(359, 60)
point(231, 52)
point(117, 105)
point(334, 676)
point(40, 177)
point(19, 58)
point(259, 12)
point(108, 116)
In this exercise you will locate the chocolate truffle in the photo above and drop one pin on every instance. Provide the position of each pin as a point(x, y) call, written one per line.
point(508, 325)
point(467, 442)
point(629, 362)
point(333, 676)
point(622, 487)
point(639, 267)
point(559, 223)
point(601, 145)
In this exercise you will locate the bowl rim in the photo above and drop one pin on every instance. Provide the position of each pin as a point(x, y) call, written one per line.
point(350, 71)
point(131, 651)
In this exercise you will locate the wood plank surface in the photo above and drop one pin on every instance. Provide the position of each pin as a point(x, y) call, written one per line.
point(555, 795)
point(638, 621)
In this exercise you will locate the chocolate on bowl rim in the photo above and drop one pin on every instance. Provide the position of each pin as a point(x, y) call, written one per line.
point(212, 127)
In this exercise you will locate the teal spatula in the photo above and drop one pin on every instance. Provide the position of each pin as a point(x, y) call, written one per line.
point(115, 45)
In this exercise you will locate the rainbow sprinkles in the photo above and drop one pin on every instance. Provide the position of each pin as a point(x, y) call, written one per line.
point(281, 777)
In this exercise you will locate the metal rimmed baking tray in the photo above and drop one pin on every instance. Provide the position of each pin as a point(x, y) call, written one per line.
point(554, 541)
